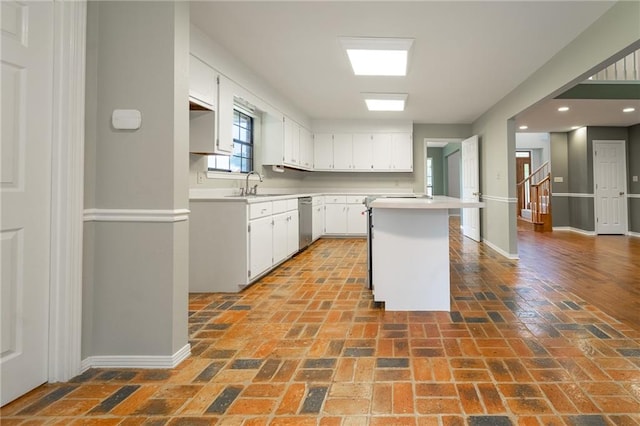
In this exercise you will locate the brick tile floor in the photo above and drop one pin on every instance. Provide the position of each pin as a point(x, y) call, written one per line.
point(307, 345)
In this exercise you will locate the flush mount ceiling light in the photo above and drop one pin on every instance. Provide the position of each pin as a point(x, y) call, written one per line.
point(378, 56)
point(575, 127)
point(385, 101)
point(524, 127)
point(563, 109)
point(630, 109)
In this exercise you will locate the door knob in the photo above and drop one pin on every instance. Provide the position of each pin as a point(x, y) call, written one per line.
point(477, 193)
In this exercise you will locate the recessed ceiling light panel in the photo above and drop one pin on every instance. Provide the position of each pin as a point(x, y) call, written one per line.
point(630, 109)
point(385, 101)
point(563, 109)
point(378, 56)
point(523, 127)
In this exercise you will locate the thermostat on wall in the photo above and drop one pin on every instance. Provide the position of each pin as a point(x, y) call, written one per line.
point(126, 119)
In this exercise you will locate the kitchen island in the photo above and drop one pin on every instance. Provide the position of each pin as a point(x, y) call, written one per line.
point(409, 240)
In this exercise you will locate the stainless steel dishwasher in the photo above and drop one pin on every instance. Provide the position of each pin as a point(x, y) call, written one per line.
point(305, 213)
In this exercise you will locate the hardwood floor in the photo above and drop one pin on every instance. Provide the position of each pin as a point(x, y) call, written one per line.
point(602, 270)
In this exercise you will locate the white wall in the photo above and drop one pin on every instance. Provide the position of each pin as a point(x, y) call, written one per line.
point(538, 144)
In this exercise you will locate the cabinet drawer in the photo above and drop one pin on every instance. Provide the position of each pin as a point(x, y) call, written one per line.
point(335, 199)
point(317, 201)
point(280, 206)
point(260, 209)
point(355, 199)
point(292, 204)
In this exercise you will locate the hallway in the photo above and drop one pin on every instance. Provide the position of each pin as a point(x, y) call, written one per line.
point(307, 346)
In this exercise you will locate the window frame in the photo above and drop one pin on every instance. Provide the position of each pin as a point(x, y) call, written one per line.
point(238, 114)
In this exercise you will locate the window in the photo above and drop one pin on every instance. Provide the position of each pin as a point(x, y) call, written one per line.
point(241, 161)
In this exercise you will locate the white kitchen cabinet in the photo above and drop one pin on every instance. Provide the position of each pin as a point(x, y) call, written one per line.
point(362, 152)
point(335, 219)
point(343, 151)
point(260, 245)
point(317, 218)
point(285, 229)
point(344, 215)
point(381, 145)
point(286, 143)
point(202, 83)
point(291, 142)
point(224, 140)
point(232, 243)
point(306, 149)
point(402, 152)
point(356, 215)
point(323, 151)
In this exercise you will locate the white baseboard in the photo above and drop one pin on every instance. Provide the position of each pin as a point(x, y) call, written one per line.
point(576, 230)
point(137, 361)
point(500, 251)
point(633, 234)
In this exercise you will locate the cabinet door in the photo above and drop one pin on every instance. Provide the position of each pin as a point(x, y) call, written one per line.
point(202, 82)
point(381, 151)
point(306, 148)
point(356, 219)
point(402, 151)
point(362, 152)
point(323, 151)
point(335, 219)
point(280, 225)
point(224, 142)
point(343, 151)
point(317, 220)
point(293, 232)
point(260, 245)
point(291, 142)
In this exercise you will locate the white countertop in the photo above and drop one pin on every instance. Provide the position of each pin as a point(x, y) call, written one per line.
point(205, 194)
point(437, 202)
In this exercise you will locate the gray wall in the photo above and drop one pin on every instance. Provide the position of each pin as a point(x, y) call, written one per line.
point(614, 32)
point(572, 159)
point(633, 159)
point(135, 296)
point(437, 165)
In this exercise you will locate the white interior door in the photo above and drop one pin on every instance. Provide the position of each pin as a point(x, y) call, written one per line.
point(610, 177)
point(470, 187)
point(25, 153)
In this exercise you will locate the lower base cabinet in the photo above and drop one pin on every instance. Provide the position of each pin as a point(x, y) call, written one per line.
point(345, 215)
point(233, 243)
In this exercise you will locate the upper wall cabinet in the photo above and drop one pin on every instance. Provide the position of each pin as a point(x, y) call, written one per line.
point(224, 141)
point(286, 143)
point(202, 83)
point(211, 118)
point(364, 152)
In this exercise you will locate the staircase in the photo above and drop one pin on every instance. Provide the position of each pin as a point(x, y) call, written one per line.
point(534, 199)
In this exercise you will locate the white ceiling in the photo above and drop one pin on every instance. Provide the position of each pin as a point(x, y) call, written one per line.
point(465, 58)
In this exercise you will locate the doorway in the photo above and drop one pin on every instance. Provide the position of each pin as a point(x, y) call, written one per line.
point(523, 170)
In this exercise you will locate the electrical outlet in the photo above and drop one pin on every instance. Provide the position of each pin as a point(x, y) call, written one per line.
point(202, 176)
point(558, 179)
point(635, 178)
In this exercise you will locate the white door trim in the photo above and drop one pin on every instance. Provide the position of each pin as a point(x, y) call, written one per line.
point(625, 208)
point(67, 184)
point(425, 142)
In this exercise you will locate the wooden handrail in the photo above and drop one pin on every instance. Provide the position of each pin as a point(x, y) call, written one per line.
point(525, 188)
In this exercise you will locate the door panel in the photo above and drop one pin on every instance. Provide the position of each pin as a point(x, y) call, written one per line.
point(470, 187)
point(27, 71)
point(610, 187)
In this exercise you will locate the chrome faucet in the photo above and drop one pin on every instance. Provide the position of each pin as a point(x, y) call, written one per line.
point(254, 190)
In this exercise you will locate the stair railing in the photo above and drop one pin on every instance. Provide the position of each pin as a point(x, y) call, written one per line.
point(525, 188)
point(541, 196)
